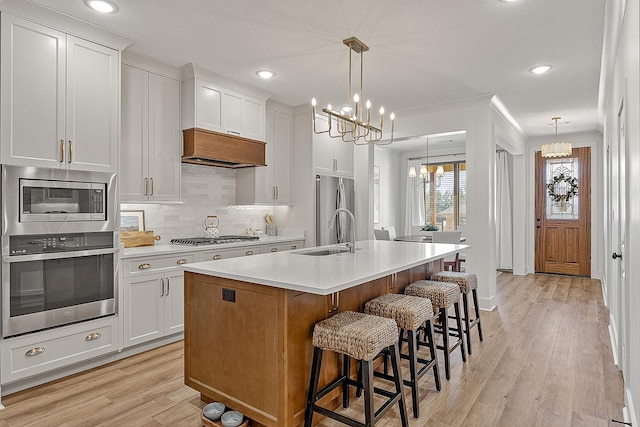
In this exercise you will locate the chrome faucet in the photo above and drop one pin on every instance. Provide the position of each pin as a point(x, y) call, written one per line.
point(352, 244)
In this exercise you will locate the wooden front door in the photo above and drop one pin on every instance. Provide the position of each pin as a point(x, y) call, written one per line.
point(563, 220)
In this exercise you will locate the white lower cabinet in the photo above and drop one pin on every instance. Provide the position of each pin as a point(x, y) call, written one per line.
point(216, 254)
point(153, 297)
point(279, 247)
point(41, 352)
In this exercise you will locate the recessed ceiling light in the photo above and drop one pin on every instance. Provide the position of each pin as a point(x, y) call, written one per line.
point(102, 6)
point(266, 74)
point(540, 69)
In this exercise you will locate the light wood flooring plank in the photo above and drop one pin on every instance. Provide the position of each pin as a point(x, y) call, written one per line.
point(545, 361)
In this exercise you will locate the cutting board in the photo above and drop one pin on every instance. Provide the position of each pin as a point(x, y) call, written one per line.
point(132, 239)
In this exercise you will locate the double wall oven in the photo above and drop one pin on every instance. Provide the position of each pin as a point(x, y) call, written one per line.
point(59, 248)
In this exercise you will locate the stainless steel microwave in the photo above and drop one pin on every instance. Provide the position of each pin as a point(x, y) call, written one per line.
point(42, 200)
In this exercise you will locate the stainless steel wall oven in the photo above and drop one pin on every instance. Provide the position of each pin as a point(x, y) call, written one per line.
point(59, 248)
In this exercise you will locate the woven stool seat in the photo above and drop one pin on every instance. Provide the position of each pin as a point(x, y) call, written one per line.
point(441, 294)
point(361, 336)
point(466, 281)
point(409, 312)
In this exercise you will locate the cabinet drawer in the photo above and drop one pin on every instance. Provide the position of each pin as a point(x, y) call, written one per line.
point(279, 247)
point(34, 354)
point(229, 253)
point(135, 266)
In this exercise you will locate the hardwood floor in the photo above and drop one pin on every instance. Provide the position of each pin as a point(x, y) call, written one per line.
point(545, 361)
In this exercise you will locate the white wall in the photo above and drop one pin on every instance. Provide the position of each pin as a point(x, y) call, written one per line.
point(390, 176)
point(621, 82)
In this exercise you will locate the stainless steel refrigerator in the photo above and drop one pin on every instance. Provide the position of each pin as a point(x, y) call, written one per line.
point(333, 193)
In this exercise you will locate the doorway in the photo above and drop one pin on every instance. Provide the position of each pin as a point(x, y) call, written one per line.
point(563, 213)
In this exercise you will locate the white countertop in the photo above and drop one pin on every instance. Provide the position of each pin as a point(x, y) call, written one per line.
point(324, 275)
point(169, 249)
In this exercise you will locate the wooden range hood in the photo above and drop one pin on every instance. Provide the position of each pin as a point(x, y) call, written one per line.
point(205, 147)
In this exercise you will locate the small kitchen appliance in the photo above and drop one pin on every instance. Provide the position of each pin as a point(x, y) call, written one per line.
point(211, 227)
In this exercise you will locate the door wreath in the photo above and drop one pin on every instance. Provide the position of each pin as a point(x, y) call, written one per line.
point(562, 188)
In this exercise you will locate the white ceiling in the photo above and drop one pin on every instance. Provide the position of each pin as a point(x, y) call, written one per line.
point(422, 52)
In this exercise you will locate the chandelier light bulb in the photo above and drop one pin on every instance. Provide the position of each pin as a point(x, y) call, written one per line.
point(423, 170)
point(392, 116)
point(381, 110)
point(412, 172)
point(356, 98)
point(329, 107)
point(313, 102)
point(368, 104)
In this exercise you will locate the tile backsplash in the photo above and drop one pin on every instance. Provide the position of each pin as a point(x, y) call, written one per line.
point(206, 191)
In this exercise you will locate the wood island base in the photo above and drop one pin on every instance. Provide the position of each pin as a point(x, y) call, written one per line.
point(249, 346)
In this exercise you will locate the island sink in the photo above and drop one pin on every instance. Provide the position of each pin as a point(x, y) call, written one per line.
point(323, 251)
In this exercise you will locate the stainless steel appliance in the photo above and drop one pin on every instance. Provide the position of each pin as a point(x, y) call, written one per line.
point(55, 279)
point(59, 247)
point(198, 241)
point(333, 193)
point(42, 200)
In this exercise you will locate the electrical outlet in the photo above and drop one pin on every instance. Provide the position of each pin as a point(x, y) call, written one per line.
point(229, 295)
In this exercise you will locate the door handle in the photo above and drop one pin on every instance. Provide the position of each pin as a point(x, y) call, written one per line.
point(70, 151)
point(162, 282)
point(146, 186)
point(168, 284)
point(615, 255)
point(62, 151)
point(151, 194)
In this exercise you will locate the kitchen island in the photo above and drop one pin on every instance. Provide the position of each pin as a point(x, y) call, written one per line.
point(249, 322)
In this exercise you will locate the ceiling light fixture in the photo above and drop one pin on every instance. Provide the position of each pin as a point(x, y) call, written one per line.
point(265, 74)
point(427, 174)
point(353, 124)
point(540, 69)
point(557, 149)
point(102, 6)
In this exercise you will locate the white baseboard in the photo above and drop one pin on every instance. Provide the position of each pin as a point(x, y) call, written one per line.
point(629, 411)
point(487, 304)
point(614, 340)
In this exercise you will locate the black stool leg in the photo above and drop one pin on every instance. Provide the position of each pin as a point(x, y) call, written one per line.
point(313, 386)
point(434, 355)
point(367, 377)
point(474, 294)
point(456, 307)
point(413, 371)
point(402, 404)
point(467, 321)
point(445, 341)
point(346, 368)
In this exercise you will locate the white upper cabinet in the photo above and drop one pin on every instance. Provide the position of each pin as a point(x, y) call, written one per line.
point(270, 184)
point(150, 152)
point(214, 102)
point(59, 99)
point(332, 156)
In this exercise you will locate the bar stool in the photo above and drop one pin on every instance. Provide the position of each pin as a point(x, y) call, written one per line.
point(410, 314)
point(443, 295)
point(468, 284)
point(362, 337)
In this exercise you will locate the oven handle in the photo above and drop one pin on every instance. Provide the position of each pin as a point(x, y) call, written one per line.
point(58, 255)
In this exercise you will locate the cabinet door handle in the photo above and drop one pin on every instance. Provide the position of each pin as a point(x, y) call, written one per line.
point(144, 266)
point(216, 257)
point(62, 151)
point(162, 283)
point(34, 351)
point(151, 187)
point(70, 151)
point(273, 193)
point(233, 132)
point(181, 261)
point(337, 301)
point(168, 286)
point(294, 247)
point(277, 193)
point(92, 337)
point(249, 253)
point(335, 165)
point(274, 249)
point(333, 302)
point(146, 186)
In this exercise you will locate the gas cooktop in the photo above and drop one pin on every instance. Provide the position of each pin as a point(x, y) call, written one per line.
point(197, 241)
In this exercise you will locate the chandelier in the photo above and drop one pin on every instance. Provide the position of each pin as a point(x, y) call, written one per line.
point(556, 149)
point(353, 122)
point(425, 173)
